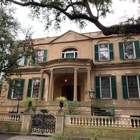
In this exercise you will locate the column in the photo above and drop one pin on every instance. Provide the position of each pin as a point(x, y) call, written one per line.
point(40, 87)
point(50, 86)
point(88, 79)
point(75, 85)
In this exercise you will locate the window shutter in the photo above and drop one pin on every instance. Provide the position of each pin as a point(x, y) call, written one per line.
point(43, 86)
point(113, 87)
point(29, 88)
point(25, 60)
point(96, 52)
point(111, 52)
point(139, 79)
point(33, 58)
point(97, 84)
point(124, 87)
point(137, 49)
point(10, 89)
point(45, 55)
point(22, 85)
point(121, 51)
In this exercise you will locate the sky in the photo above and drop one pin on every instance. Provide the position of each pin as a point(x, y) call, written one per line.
point(122, 10)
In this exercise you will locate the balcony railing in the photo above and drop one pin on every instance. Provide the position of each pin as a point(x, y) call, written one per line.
point(103, 121)
point(10, 117)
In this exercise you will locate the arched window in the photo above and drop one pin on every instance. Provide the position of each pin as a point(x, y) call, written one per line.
point(69, 53)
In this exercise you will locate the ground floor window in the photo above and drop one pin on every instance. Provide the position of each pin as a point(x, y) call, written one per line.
point(105, 87)
point(35, 88)
point(130, 86)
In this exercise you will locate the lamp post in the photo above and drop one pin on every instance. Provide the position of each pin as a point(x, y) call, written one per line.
point(19, 97)
point(92, 95)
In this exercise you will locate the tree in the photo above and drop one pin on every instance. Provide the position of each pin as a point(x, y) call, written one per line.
point(56, 11)
point(11, 49)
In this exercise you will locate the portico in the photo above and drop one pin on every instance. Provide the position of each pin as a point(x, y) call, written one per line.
point(78, 74)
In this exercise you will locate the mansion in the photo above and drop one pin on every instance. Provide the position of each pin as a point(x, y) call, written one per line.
point(72, 64)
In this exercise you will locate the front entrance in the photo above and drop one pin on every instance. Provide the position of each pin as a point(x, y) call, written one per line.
point(67, 91)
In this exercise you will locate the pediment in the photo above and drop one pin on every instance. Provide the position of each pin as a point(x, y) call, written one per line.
point(70, 36)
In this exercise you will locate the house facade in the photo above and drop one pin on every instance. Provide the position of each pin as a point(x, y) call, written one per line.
point(72, 64)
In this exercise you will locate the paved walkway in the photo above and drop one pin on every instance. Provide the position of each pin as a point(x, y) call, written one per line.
point(21, 137)
point(32, 137)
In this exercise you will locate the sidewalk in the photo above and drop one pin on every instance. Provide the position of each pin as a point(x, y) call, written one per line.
point(23, 137)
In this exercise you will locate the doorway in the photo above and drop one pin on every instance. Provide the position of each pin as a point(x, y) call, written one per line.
point(67, 91)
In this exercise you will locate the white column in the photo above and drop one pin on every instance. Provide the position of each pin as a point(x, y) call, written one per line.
point(40, 86)
point(50, 86)
point(75, 85)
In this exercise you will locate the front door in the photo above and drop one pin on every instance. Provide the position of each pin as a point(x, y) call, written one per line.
point(67, 91)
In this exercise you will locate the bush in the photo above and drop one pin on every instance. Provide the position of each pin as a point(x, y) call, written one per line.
point(62, 136)
point(93, 135)
point(136, 136)
point(71, 107)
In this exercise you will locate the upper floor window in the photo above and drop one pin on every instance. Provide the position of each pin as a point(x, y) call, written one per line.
point(104, 52)
point(69, 53)
point(129, 50)
point(131, 87)
point(105, 87)
point(40, 56)
point(15, 87)
point(22, 61)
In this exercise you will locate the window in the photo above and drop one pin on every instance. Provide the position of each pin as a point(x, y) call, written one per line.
point(33, 88)
point(130, 85)
point(129, 50)
point(41, 56)
point(16, 87)
point(106, 87)
point(104, 52)
point(22, 61)
point(69, 53)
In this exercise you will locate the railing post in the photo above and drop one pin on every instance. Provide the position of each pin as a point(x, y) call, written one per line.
point(26, 123)
point(59, 122)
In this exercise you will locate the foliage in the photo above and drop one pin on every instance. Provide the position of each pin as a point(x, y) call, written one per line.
point(62, 136)
point(71, 107)
point(28, 101)
point(54, 12)
point(93, 135)
point(61, 99)
point(11, 49)
point(136, 136)
point(44, 110)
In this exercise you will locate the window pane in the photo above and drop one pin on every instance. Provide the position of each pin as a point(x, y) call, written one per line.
point(16, 89)
point(35, 90)
point(70, 55)
point(21, 61)
point(104, 52)
point(133, 87)
point(105, 87)
point(40, 55)
point(128, 50)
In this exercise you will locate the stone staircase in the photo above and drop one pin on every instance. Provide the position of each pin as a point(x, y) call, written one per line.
point(102, 112)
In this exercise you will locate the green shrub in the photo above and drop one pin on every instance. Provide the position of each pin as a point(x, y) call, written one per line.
point(29, 102)
point(61, 99)
point(136, 136)
point(93, 135)
point(71, 107)
point(62, 136)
